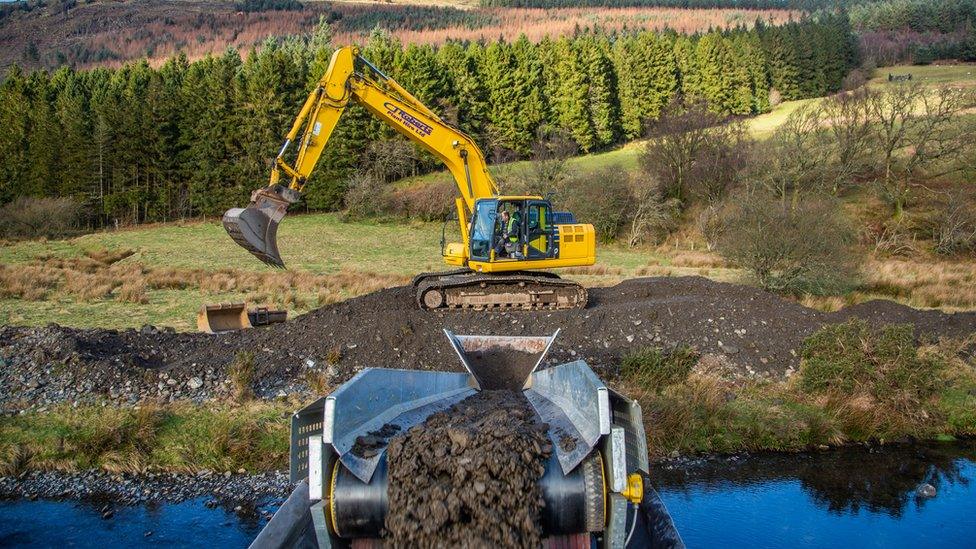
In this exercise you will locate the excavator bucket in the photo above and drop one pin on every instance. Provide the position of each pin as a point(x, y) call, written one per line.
point(223, 317)
point(255, 228)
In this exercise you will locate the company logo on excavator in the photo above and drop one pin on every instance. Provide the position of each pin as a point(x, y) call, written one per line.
point(408, 120)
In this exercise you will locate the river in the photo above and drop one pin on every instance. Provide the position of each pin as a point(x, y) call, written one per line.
point(854, 497)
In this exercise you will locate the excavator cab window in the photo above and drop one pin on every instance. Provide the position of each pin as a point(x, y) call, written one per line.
point(510, 230)
point(539, 230)
point(483, 228)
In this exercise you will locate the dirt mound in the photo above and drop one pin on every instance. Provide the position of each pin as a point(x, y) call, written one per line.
point(468, 476)
point(927, 322)
point(754, 332)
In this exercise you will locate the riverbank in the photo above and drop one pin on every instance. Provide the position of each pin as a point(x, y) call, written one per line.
point(225, 489)
point(892, 390)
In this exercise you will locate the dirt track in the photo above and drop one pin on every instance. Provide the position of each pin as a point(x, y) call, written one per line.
point(745, 331)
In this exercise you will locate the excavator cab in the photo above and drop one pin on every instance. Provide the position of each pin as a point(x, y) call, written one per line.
point(531, 236)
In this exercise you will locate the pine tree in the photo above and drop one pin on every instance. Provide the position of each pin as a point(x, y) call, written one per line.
point(71, 109)
point(715, 85)
point(602, 90)
point(13, 137)
point(751, 51)
point(41, 175)
point(528, 93)
point(784, 73)
point(571, 100)
point(689, 74)
point(320, 51)
point(741, 92)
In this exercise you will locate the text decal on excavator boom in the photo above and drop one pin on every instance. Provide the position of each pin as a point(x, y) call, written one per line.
point(408, 120)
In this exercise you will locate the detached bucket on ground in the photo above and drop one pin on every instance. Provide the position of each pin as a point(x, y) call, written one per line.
point(227, 317)
point(222, 317)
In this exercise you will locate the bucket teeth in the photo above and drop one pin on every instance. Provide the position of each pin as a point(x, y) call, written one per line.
point(255, 228)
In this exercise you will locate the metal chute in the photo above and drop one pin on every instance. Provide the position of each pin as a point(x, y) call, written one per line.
point(255, 228)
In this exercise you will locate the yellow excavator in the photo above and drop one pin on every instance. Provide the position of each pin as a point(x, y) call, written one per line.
point(506, 241)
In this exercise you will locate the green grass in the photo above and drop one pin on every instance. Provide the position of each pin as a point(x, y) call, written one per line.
point(929, 74)
point(706, 414)
point(319, 243)
point(177, 437)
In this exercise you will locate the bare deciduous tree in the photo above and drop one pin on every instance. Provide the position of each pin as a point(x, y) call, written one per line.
point(693, 153)
point(918, 135)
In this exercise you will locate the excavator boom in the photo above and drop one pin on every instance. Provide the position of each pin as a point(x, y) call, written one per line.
point(351, 78)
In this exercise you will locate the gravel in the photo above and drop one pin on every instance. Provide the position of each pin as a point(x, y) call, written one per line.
point(133, 489)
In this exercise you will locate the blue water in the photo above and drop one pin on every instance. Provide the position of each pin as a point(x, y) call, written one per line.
point(78, 524)
point(850, 499)
point(857, 499)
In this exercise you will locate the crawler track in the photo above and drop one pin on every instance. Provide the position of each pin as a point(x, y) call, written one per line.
point(465, 289)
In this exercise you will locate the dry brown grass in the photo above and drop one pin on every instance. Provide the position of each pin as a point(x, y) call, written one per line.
point(318, 382)
point(16, 461)
point(949, 284)
point(133, 292)
point(86, 287)
point(697, 259)
point(536, 23)
point(593, 270)
point(26, 282)
point(100, 274)
point(654, 270)
point(241, 376)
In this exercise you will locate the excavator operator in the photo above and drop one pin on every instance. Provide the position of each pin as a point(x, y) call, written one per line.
point(507, 244)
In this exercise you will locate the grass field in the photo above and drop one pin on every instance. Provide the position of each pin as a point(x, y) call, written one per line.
point(332, 260)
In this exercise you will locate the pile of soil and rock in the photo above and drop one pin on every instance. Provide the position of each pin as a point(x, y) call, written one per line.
point(743, 331)
point(468, 476)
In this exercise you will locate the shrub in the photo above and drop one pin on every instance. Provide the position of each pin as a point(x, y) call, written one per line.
point(694, 153)
point(601, 197)
point(854, 80)
point(955, 228)
point(364, 196)
point(37, 217)
point(241, 375)
point(427, 202)
point(791, 250)
point(654, 369)
point(878, 369)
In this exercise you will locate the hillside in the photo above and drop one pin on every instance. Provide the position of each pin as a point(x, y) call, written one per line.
point(109, 33)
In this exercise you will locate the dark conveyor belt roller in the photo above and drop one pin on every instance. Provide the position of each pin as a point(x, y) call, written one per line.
point(574, 502)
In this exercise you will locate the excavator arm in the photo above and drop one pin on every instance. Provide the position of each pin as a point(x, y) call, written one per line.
point(352, 78)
